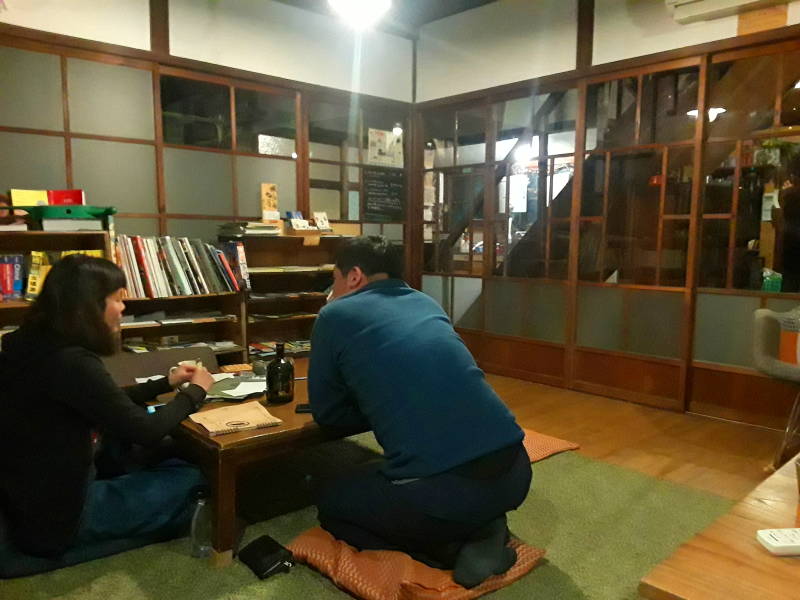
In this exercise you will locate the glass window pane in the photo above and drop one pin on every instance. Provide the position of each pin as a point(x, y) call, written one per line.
point(790, 108)
point(632, 220)
point(505, 307)
point(467, 302)
point(680, 167)
point(742, 96)
point(668, 99)
point(329, 201)
point(35, 78)
point(342, 180)
point(768, 215)
point(589, 255)
point(251, 172)
point(654, 323)
point(196, 113)
point(525, 230)
point(333, 131)
point(198, 182)
point(34, 162)
point(435, 286)
point(558, 265)
point(116, 174)
point(554, 117)
point(674, 245)
point(265, 123)
point(611, 114)
point(471, 132)
point(724, 329)
point(393, 232)
point(714, 252)
point(514, 120)
point(204, 229)
point(371, 229)
point(594, 180)
point(110, 99)
point(545, 318)
point(600, 317)
point(559, 186)
point(325, 171)
point(719, 166)
point(459, 200)
point(439, 139)
point(382, 138)
point(136, 226)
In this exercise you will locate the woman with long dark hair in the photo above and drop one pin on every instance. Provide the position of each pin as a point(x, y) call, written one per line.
point(56, 400)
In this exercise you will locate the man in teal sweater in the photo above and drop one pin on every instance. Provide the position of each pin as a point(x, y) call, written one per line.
point(385, 357)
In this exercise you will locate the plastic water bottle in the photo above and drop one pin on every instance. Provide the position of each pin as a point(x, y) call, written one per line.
point(201, 528)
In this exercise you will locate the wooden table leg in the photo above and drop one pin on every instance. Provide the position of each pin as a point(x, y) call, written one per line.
point(224, 518)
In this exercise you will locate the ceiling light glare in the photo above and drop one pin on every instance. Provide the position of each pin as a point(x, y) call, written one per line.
point(713, 113)
point(524, 153)
point(397, 130)
point(360, 14)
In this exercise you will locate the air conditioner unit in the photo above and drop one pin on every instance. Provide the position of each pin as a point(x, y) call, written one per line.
point(689, 11)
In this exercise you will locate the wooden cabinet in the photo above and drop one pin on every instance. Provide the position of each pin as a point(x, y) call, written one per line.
point(290, 279)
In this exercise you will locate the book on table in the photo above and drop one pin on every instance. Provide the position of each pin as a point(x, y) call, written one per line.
point(241, 417)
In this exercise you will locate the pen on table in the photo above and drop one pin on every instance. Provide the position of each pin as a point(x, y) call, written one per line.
point(300, 378)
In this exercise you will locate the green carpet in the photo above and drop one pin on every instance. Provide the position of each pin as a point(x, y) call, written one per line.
point(603, 526)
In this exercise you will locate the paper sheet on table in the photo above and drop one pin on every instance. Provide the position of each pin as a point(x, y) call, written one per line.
point(151, 378)
point(243, 389)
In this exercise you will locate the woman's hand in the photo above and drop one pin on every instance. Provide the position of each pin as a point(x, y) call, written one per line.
point(181, 374)
point(202, 377)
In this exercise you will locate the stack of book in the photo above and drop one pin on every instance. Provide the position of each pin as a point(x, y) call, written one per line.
point(159, 267)
point(267, 349)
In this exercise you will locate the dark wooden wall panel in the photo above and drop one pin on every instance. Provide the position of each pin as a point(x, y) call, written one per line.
point(654, 383)
point(516, 357)
point(740, 396)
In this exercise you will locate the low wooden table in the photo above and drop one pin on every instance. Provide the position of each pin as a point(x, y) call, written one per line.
point(725, 561)
point(223, 456)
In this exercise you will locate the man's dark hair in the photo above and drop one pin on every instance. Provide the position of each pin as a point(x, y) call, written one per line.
point(72, 302)
point(373, 254)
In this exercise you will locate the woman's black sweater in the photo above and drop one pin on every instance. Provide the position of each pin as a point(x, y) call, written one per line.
point(52, 397)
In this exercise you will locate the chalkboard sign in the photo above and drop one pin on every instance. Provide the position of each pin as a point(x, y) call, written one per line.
point(384, 195)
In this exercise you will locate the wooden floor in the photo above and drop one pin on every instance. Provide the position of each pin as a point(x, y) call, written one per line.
point(725, 458)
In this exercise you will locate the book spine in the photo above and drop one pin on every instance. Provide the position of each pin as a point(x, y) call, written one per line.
point(134, 266)
point(207, 267)
point(173, 270)
point(6, 277)
point(36, 275)
point(144, 267)
point(183, 265)
point(194, 264)
point(213, 253)
point(173, 286)
point(242, 261)
point(161, 277)
point(228, 271)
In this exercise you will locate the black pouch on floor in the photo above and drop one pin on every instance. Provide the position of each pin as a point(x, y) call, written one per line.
point(266, 557)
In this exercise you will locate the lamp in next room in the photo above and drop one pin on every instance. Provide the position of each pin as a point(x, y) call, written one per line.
point(361, 14)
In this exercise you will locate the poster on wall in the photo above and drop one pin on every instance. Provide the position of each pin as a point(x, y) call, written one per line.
point(384, 195)
point(385, 148)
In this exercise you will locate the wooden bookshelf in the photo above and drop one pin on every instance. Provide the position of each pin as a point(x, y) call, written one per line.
point(12, 312)
point(310, 269)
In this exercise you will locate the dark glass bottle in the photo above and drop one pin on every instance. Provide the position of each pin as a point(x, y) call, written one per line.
point(280, 378)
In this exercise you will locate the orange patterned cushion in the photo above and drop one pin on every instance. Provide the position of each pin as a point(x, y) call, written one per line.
point(389, 575)
point(541, 446)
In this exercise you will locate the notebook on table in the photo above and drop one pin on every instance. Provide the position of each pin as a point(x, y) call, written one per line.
point(228, 419)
